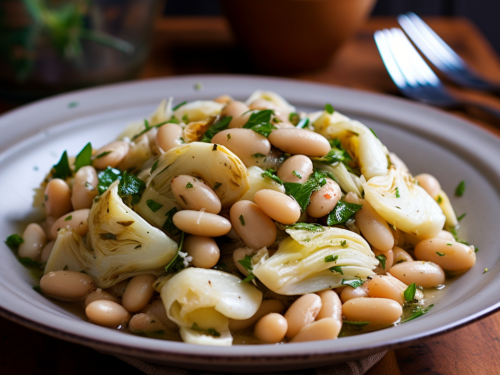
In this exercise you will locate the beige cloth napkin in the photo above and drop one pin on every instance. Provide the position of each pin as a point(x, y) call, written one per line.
point(358, 367)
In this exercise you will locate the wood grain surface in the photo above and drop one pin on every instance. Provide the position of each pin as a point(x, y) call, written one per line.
point(205, 45)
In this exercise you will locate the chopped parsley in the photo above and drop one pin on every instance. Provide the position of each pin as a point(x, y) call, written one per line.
point(313, 227)
point(485, 270)
point(147, 127)
point(382, 259)
point(343, 243)
point(270, 173)
point(417, 312)
point(439, 199)
point(210, 331)
point(294, 118)
point(61, 169)
point(153, 205)
point(228, 136)
point(461, 216)
point(106, 178)
point(189, 185)
point(397, 193)
point(260, 122)
point(221, 266)
point(13, 241)
point(84, 157)
point(217, 185)
point(342, 212)
point(102, 154)
point(409, 293)
point(68, 218)
point(169, 225)
point(131, 185)
point(331, 258)
point(107, 236)
point(335, 155)
point(155, 165)
point(304, 123)
point(73, 105)
point(356, 283)
point(440, 254)
point(302, 192)
point(258, 155)
point(177, 263)
point(218, 126)
point(460, 190)
point(28, 262)
point(337, 269)
point(185, 118)
point(36, 288)
point(179, 106)
point(242, 220)
point(246, 262)
point(373, 131)
point(329, 109)
point(296, 174)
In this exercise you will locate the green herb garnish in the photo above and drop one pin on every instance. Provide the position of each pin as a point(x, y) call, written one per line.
point(342, 212)
point(154, 166)
point(242, 220)
point(409, 293)
point(304, 123)
point(417, 312)
point(296, 174)
point(329, 108)
point(294, 118)
point(28, 262)
point(302, 192)
point(107, 177)
point(179, 106)
point(258, 155)
point(313, 227)
point(189, 185)
point(440, 254)
point(169, 226)
point(177, 263)
point(459, 191)
point(84, 157)
point(246, 262)
point(68, 218)
point(217, 185)
point(210, 331)
point(131, 185)
point(461, 216)
point(260, 122)
point(331, 258)
point(439, 199)
point(61, 169)
point(102, 154)
point(397, 193)
point(153, 205)
point(13, 241)
point(359, 324)
point(382, 259)
point(218, 126)
point(270, 173)
point(337, 269)
point(356, 283)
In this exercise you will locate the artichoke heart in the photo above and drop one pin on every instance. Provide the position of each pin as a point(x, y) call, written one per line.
point(307, 261)
point(404, 204)
point(371, 155)
point(122, 244)
point(279, 102)
point(222, 170)
point(198, 110)
point(201, 302)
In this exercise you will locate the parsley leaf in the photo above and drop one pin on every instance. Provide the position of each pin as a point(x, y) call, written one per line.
point(304, 123)
point(13, 241)
point(217, 185)
point(102, 154)
point(337, 269)
point(260, 122)
point(131, 185)
point(189, 185)
point(296, 174)
point(294, 118)
point(373, 131)
point(440, 254)
point(169, 225)
point(331, 258)
point(177, 263)
point(217, 127)
point(409, 293)
point(397, 193)
point(302, 192)
point(84, 157)
point(352, 323)
point(210, 331)
point(179, 106)
point(221, 266)
point(356, 283)
point(107, 177)
point(242, 220)
point(154, 166)
point(153, 205)
point(28, 262)
point(417, 312)
point(270, 173)
point(460, 190)
point(61, 169)
point(342, 212)
point(313, 227)
point(439, 199)
point(329, 108)
point(461, 216)
point(246, 262)
point(382, 259)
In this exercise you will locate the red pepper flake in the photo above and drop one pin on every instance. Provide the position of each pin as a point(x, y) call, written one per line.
point(327, 196)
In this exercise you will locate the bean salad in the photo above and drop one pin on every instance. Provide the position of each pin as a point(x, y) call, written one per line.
point(223, 222)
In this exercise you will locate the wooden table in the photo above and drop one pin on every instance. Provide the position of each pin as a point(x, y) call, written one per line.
point(205, 45)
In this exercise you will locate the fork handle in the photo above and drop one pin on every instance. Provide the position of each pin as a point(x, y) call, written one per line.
point(485, 108)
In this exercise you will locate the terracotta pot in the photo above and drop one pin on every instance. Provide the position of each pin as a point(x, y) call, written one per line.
point(294, 35)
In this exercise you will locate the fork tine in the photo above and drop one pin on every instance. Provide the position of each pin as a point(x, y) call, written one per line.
point(410, 57)
point(435, 48)
point(388, 59)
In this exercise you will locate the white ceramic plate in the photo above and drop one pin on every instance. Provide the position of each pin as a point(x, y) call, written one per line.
point(34, 136)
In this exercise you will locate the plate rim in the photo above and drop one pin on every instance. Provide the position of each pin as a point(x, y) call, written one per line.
point(402, 341)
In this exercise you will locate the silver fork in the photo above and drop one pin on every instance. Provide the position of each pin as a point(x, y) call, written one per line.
point(441, 55)
point(412, 74)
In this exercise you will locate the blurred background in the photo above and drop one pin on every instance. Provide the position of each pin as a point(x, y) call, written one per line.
point(52, 46)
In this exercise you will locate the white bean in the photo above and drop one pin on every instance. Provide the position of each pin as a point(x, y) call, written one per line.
point(425, 274)
point(324, 200)
point(297, 169)
point(110, 155)
point(271, 328)
point(300, 141)
point(76, 220)
point(201, 223)
point(204, 251)
point(301, 313)
point(252, 225)
point(266, 307)
point(278, 206)
point(107, 313)
point(374, 228)
point(67, 286)
point(324, 329)
point(193, 194)
point(169, 136)
point(57, 198)
point(450, 255)
point(34, 239)
point(251, 147)
point(84, 188)
point(381, 311)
